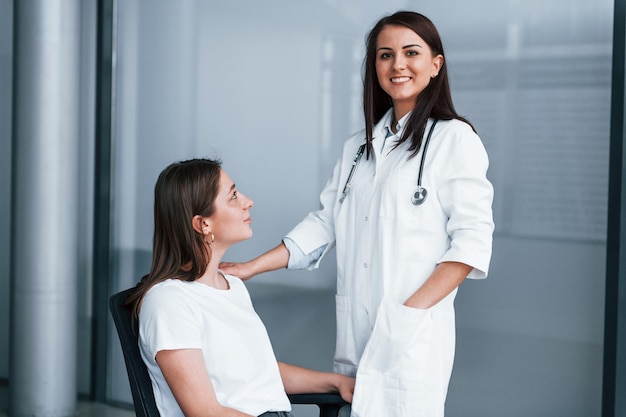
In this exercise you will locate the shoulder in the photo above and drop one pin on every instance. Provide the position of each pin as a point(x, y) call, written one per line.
point(238, 288)
point(351, 146)
point(457, 133)
point(169, 286)
point(456, 127)
point(456, 143)
point(168, 291)
point(171, 303)
point(235, 282)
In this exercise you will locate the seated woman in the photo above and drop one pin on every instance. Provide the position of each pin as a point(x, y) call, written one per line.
point(206, 349)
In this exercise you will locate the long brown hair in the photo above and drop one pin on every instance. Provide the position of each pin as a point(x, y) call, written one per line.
point(183, 190)
point(434, 101)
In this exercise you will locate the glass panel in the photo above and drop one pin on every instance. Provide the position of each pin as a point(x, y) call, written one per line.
point(273, 88)
point(6, 84)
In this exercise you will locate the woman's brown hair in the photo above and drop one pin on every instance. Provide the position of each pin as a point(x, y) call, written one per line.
point(183, 190)
point(435, 101)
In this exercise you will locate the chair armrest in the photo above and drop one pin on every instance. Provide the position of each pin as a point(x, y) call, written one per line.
point(332, 398)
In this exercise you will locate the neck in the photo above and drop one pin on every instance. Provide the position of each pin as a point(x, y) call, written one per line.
point(399, 111)
point(212, 277)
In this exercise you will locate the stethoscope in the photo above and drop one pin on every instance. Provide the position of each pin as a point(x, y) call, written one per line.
point(418, 197)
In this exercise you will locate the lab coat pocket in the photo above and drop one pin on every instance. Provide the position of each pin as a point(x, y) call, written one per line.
point(394, 371)
point(345, 353)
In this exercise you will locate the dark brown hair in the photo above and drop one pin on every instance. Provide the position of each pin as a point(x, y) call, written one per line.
point(435, 101)
point(183, 190)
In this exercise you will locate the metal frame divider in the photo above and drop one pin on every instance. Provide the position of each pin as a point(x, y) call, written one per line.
point(614, 372)
point(102, 286)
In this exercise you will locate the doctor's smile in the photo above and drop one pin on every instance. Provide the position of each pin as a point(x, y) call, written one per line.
point(400, 79)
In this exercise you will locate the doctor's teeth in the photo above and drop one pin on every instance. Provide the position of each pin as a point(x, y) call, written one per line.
point(400, 79)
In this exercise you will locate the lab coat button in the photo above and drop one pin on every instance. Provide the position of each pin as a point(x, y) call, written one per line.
point(365, 265)
point(365, 218)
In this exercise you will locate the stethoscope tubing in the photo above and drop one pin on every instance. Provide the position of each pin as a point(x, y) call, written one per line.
point(355, 163)
point(418, 197)
point(421, 170)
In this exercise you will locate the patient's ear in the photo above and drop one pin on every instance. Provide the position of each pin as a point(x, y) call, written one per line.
point(200, 225)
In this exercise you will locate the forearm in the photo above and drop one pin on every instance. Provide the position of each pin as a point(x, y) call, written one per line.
point(444, 279)
point(298, 380)
point(215, 410)
point(271, 260)
point(221, 411)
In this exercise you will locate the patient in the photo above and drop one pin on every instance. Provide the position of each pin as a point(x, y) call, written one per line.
point(206, 349)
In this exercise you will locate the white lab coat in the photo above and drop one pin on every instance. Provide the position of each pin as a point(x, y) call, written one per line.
point(387, 248)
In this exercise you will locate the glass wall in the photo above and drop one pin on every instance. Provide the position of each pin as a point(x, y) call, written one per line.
point(273, 89)
point(6, 71)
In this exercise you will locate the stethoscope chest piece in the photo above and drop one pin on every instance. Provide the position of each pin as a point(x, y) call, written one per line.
point(419, 196)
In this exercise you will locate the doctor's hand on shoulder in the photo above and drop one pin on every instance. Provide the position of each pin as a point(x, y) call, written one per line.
point(271, 260)
point(238, 269)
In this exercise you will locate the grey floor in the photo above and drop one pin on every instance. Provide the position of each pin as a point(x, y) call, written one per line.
point(494, 374)
point(83, 409)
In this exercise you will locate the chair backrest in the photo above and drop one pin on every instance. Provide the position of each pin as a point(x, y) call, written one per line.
point(140, 383)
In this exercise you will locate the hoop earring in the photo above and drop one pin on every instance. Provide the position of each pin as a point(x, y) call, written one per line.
point(212, 239)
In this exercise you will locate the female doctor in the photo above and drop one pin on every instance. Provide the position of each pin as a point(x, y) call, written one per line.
point(408, 208)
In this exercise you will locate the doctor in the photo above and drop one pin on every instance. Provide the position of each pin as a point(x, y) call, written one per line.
point(410, 216)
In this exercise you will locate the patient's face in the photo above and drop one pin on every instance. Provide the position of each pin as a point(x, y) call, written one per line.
point(230, 222)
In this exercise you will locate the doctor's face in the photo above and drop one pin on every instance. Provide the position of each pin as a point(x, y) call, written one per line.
point(404, 66)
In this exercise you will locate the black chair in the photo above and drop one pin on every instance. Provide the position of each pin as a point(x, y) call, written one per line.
point(140, 383)
point(141, 386)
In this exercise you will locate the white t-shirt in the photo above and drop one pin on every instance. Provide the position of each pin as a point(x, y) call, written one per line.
point(237, 351)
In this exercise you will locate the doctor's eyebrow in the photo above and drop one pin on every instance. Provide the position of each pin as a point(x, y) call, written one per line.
point(413, 45)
